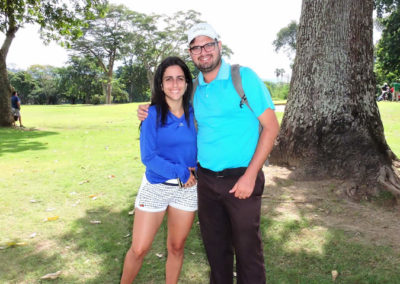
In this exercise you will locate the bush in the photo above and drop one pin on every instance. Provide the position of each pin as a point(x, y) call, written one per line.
point(279, 91)
point(98, 99)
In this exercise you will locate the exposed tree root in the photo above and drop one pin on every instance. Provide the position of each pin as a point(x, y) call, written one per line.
point(389, 179)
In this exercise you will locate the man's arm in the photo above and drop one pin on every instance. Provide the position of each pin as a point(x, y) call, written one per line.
point(143, 112)
point(245, 185)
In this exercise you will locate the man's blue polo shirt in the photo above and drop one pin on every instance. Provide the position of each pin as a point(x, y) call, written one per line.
point(228, 134)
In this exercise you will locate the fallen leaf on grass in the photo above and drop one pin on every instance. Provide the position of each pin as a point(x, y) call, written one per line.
point(15, 244)
point(93, 196)
point(111, 176)
point(52, 218)
point(334, 274)
point(95, 222)
point(54, 275)
point(84, 181)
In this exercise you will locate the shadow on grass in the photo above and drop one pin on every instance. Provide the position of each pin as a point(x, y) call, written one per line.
point(296, 251)
point(14, 140)
point(300, 249)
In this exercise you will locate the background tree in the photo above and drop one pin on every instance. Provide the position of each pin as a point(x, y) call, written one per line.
point(24, 84)
point(107, 39)
point(160, 36)
point(119, 93)
point(279, 72)
point(286, 39)
point(81, 80)
point(388, 47)
point(46, 91)
point(331, 126)
point(134, 78)
point(57, 19)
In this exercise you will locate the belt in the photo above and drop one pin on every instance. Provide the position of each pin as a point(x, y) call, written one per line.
point(225, 172)
point(171, 182)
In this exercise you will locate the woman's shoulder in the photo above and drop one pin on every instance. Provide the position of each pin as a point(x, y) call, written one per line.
point(152, 111)
point(151, 117)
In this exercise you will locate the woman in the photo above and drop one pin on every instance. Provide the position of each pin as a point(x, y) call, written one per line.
point(168, 150)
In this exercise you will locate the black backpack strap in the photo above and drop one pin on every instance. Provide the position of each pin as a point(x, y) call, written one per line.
point(237, 83)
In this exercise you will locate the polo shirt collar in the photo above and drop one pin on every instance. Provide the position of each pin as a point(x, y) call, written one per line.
point(223, 73)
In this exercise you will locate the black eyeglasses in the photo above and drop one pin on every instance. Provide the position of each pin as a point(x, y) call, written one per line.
point(207, 47)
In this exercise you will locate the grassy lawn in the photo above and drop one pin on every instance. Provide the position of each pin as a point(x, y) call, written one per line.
point(390, 115)
point(74, 165)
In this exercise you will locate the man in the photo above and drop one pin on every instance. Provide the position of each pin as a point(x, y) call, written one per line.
point(231, 153)
point(15, 108)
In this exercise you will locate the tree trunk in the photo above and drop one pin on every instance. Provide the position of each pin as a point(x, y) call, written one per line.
point(108, 90)
point(110, 77)
point(332, 126)
point(5, 95)
point(150, 78)
point(5, 88)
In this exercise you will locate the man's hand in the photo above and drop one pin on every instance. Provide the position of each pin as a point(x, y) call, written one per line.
point(143, 112)
point(244, 187)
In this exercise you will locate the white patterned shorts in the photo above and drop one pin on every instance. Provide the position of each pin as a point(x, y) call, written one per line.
point(157, 197)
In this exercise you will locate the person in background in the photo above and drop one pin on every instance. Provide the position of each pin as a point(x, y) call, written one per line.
point(168, 150)
point(231, 153)
point(16, 108)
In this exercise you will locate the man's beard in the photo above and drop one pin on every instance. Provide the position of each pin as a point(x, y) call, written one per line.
point(214, 64)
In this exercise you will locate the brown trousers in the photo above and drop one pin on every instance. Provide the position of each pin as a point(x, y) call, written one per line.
point(231, 226)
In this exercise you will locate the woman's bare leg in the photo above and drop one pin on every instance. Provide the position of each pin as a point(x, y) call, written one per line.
point(179, 224)
point(145, 227)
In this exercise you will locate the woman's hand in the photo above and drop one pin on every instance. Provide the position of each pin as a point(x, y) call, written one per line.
point(192, 178)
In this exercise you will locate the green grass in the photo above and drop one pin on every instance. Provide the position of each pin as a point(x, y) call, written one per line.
point(390, 115)
point(68, 154)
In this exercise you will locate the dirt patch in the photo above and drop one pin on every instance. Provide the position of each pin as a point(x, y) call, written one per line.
point(322, 202)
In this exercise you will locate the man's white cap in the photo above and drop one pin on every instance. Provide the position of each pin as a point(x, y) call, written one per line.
point(201, 29)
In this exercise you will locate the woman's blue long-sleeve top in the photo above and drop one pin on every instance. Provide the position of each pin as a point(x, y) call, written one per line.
point(168, 150)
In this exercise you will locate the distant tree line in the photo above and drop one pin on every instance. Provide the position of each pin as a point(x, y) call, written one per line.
point(81, 81)
point(134, 41)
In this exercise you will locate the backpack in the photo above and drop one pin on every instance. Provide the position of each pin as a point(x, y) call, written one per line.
point(237, 83)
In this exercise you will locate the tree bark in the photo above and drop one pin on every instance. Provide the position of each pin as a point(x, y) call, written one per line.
point(5, 88)
point(332, 126)
point(108, 89)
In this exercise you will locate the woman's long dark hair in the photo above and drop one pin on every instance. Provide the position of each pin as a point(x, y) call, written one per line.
point(158, 95)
